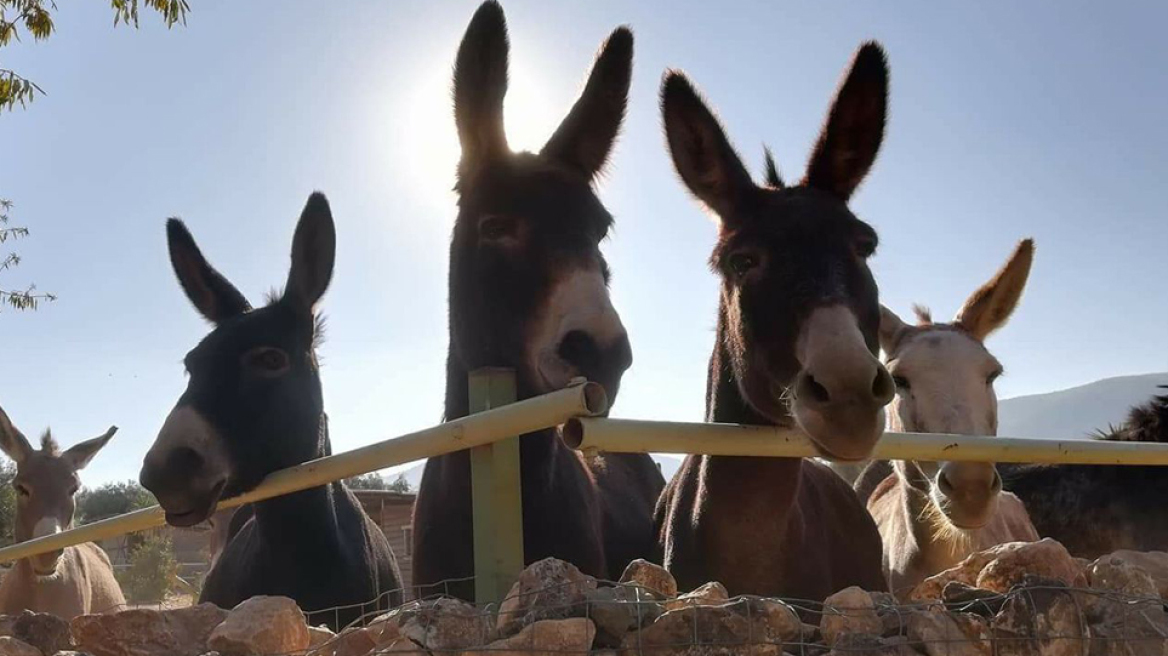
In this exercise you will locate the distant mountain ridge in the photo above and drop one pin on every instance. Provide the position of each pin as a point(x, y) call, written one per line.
point(1077, 412)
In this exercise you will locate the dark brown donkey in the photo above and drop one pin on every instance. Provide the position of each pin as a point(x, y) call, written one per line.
point(798, 329)
point(1095, 510)
point(253, 405)
point(529, 290)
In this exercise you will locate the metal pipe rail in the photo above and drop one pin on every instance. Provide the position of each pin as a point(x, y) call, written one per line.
point(493, 425)
point(635, 436)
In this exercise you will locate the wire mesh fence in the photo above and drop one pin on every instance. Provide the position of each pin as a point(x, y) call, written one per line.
point(1038, 617)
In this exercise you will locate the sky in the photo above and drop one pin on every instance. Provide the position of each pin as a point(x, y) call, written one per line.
point(1039, 119)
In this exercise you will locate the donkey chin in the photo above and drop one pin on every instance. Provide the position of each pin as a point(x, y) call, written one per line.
point(842, 436)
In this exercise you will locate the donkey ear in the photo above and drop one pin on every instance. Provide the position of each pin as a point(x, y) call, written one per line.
point(586, 136)
point(12, 441)
point(480, 83)
point(891, 330)
point(212, 295)
point(850, 139)
point(988, 308)
point(703, 156)
point(79, 455)
point(314, 249)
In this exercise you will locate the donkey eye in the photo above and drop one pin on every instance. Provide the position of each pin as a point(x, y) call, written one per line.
point(901, 383)
point(23, 491)
point(267, 360)
point(494, 227)
point(743, 263)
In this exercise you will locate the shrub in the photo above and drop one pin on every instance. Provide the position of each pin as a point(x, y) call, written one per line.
point(152, 571)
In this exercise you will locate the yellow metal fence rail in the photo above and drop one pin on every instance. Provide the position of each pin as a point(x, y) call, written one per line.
point(491, 435)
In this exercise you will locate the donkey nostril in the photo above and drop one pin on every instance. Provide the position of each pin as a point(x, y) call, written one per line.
point(883, 387)
point(809, 388)
point(579, 349)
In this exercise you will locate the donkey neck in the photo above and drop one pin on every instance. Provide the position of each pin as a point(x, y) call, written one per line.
point(308, 512)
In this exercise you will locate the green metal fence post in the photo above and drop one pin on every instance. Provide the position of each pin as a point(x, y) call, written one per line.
point(498, 501)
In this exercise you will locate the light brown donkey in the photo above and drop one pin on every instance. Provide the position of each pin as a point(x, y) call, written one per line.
point(78, 580)
point(931, 515)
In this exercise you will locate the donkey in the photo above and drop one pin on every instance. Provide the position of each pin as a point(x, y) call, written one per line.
point(931, 515)
point(529, 291)
point(1095, 510)
point(253, 405)
point(77, 580)
point(796, 345)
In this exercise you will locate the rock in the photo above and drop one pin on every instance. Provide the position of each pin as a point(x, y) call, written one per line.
point(547, 589)
point(1117, 575)
point(1044, 621)
point(864, 644)
point(444, 624)
point(850, 610)
point(1002, 566)
point(350, 642)
point(318, 635)
point(261, 625)
point(142, 632)
point(1045, 558)
point(710, 594)
point(10, 646)
point(48, 633)
point(940, 633)
point(384, 629)
point(969, 599)
point(619, 609)
point(699, 631)
point(654, 578)
point(545, 638)
point(771, 621)
point(1152, 563)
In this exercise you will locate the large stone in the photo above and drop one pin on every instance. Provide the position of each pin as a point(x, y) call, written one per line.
point(851, 610)
point(142, 632)
point(654, 578)
point(350, 642)
point(261, 625)
point(10, 646)
point(940, 633)
point(545, 638)
point(710, 594)
point(1131, 572)
point(1041, 621)
point(444, 624)
point(46, 632)
point(619, 609)
point(319, 635)
point(1003, 566)
point(985, 603)
point(700, 631)
point(547, 589)
point(863, 644)
point(384, 629)
point(1045, 558)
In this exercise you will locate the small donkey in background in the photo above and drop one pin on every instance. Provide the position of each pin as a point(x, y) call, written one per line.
point(75, 581)
point(931, 515)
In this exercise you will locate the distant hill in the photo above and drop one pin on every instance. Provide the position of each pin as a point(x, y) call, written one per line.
point(1076, 412)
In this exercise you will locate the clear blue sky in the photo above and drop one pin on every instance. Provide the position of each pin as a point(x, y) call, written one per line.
point(1036, 119)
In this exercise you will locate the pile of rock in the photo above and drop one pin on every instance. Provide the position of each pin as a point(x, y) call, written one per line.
point(1018, 599)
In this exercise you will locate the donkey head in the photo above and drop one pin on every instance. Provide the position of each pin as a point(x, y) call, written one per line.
point(528, 284)
point(46, 482)
point(944, 378)
point(799, 314)
point(253, 403)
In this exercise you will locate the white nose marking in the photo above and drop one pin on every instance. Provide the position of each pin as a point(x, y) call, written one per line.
point(45, 527)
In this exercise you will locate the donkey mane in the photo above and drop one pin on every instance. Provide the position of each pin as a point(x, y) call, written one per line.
point(319, 320)
point(1147, 422)
point(49, 445)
